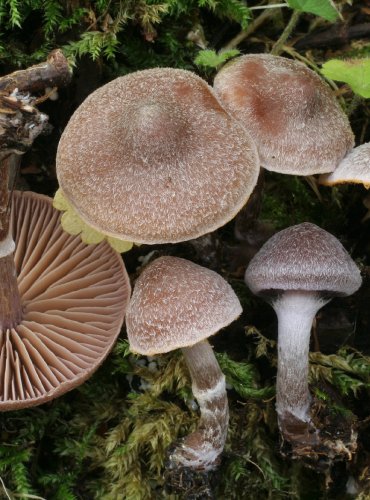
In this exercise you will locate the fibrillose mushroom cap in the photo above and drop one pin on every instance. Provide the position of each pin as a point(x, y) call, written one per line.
point(176, 303)
point(303, 258)
point(353, 169)
point(297, 124)
point(153, 157)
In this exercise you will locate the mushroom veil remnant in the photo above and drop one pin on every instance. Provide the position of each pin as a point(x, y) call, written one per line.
point(290, 112)
point(298, 271)
point(179, 304)
point(153, 157)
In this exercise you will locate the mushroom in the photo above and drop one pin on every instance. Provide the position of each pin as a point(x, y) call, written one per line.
point(298, 271)
point(179, 304)
point(293, 116)
point(73, 299)
point(152, 157)
point(354, 168)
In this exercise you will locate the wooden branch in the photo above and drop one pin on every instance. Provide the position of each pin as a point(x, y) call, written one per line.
point(335, 36)
point(55, 72)
point(20, 121)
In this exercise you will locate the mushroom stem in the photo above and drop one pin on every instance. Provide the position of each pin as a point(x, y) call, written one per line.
point(5, 164)
point(10, 302)
point(201, 449)
point(295, 311)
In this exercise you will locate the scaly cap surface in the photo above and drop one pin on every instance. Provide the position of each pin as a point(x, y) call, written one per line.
point(298, 126)
point(353, 169)
point(176, 303)
point(152, 157)
point(303, 257)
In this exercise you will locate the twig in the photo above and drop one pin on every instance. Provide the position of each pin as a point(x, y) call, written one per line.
point(335, 36)
point(278, 46)
point(5, 488)
point(271, 6)
point(254, 25)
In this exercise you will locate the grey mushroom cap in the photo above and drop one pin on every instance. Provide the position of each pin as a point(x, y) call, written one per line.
point(305, 258)
point(353, 169)
point(291, 113)
point(176, 303)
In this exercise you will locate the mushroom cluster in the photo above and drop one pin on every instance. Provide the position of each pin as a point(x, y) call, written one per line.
point(165, 158)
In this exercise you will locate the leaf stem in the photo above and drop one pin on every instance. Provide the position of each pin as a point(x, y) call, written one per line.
point(272, 6)
point(254, 25)
point(278, 46)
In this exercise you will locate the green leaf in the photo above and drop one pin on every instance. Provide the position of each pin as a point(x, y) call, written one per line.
point(322, 8)
point(355, 72)
point(210, 59)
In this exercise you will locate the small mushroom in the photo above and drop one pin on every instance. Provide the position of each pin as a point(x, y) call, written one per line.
point(152, 157)
point(73, 300)
point(290, 112)
point(353, 169)
point(179, 304)
point(298, 271)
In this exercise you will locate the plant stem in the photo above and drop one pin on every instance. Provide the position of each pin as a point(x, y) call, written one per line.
point(254, 25)
point(278, 46)
point(201, 449)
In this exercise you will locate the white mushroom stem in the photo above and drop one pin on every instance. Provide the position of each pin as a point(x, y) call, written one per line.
point(201, 449)
point(296, 311)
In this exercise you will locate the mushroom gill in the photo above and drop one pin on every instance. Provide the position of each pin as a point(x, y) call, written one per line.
point(73, 297)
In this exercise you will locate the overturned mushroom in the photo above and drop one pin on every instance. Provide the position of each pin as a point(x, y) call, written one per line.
point(179, 304)
point(298, 271)
point(152, 157)
point(290, 112)
point(73, 299)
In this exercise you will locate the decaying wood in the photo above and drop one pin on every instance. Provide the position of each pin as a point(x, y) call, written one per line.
point(335, 36)
point(20, 120)
point(54, 72)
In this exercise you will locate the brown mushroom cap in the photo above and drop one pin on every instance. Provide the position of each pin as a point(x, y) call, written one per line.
point(303, 257)
point(176, 303)
point(152, 157)
point(74, 298)
point(293, 116)
point(353, 169)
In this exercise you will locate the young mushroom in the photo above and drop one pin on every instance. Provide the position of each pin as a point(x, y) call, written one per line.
point(290, 112)
point(298, 271)
point(179, 304)
point(72, 298)
point(353, 169)
point(152, 157)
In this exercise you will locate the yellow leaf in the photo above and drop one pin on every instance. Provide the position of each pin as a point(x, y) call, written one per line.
point(120, 246)
point(60, 202)
point(74, 225)
point(71, 223)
